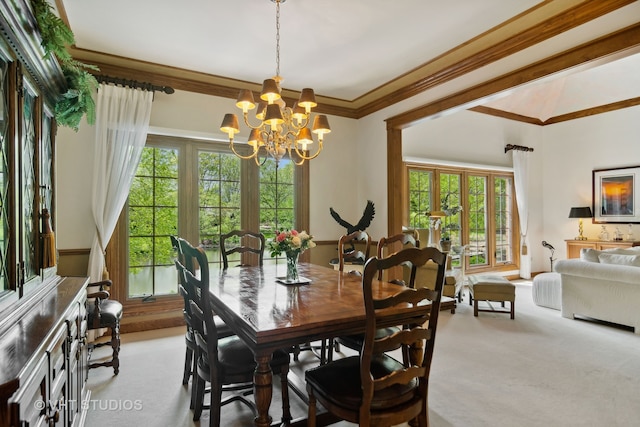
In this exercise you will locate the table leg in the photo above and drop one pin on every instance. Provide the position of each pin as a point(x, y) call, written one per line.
point(263, 389)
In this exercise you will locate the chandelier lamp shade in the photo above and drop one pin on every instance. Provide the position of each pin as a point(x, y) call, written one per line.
point(280, 129)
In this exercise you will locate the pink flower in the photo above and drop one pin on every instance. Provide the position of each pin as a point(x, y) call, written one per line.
point(294, 233)
point(281, 237)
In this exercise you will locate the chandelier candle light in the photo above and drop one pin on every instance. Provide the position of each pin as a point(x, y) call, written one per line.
point(281, 129)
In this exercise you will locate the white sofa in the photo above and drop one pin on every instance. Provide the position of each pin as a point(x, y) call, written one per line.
point(603, 285)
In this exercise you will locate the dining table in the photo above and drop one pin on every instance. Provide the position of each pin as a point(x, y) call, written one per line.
point(268, 313)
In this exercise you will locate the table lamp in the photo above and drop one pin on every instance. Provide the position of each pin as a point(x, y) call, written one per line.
point(580, 212)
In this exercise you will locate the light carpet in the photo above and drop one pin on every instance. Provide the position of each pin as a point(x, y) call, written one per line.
point(537, 370)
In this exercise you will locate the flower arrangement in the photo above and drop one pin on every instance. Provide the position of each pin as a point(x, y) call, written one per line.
point(290, 242)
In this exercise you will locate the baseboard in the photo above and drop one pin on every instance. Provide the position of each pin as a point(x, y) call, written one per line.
point(147, 322)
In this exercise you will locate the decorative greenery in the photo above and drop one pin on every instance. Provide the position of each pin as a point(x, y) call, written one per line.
point(78, 100)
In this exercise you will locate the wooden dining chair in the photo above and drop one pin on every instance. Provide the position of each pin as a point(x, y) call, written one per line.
point(250, 245)
point(222, 361)
point(373, 388)
point(104, 312)
point(344, 255)
point(388, 244)
point(356, 341)
point(186, 292)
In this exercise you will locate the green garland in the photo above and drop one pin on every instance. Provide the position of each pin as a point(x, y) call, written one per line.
point(78, 100)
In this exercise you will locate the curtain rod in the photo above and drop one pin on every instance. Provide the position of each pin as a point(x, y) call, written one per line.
point(516, 147)
point(134, 84)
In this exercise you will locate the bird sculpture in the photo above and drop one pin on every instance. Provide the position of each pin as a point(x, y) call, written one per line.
point(365, 221)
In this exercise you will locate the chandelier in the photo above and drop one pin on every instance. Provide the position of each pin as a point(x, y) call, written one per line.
point(281, 130)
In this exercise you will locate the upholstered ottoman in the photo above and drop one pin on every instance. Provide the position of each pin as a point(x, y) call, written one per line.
point(547, 290)
point(491, 288)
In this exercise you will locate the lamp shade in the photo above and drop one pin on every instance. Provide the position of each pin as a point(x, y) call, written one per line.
point(581, 212)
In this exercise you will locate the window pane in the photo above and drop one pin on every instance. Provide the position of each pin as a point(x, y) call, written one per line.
point(450, 203)
point(419, 198)
point(166, 279)
point(503, 219)
point(166, 222)
point(477, 221)
point(5, 178)
point(140, 282)
point(29, 186)
point(209, 222)
point(141, 193)
point(139, 224)
point(140, 251)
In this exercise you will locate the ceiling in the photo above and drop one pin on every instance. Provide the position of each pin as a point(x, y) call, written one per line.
point(363, 55)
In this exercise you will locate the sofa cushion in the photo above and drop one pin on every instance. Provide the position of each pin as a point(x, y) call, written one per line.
point(619, 259)
point(626, 251)
point(589, 255)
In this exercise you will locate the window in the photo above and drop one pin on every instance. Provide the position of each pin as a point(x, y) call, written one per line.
point(152, 218)
point(197, 190)
point(479, 207)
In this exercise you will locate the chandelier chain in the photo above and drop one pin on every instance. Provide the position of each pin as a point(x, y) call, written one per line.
point(283, 130)
point(277, 37)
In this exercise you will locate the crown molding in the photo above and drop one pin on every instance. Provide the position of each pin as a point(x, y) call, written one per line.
point(601, 50)
point(533, 26)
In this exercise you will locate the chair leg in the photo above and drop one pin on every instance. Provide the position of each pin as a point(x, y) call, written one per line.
point(311, 415)
point(284, 384)
point(188, 366)
point(513, 309)
point(214, 407)
point(296, 352)
point(115, 345)
point(197, 396)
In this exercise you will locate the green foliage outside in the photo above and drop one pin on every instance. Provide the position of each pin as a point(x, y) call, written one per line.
point(153, 217)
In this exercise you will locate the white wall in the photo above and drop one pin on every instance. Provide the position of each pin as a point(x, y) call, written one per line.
point(572, 150)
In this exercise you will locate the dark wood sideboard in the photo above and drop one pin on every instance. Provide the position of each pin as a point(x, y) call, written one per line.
point(43, 350)
point(43, 357)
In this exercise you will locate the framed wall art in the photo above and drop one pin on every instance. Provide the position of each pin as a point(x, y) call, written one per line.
point(616, 195)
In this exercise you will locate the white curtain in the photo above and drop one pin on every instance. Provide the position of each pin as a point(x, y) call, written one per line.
point(122, 123)
point(521, 181)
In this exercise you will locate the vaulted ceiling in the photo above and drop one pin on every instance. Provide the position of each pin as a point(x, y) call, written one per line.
point(529, 60)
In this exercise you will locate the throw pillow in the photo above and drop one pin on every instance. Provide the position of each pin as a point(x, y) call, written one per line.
point(589, 255)
point(619, 259)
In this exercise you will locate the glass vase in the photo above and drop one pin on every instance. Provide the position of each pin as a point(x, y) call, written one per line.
point(292, 266)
